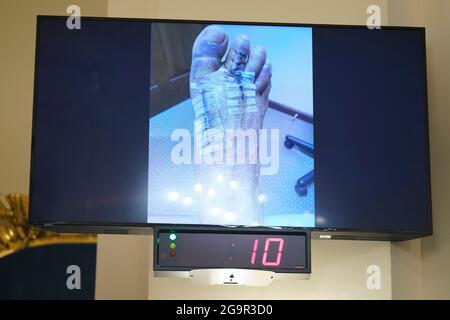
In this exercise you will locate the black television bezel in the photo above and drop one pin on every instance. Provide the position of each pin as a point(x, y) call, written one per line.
point(147, 228)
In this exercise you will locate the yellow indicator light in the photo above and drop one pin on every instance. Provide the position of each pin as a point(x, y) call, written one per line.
point(172, 245)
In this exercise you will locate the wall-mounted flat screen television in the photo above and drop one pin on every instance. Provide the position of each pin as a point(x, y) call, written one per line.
point(141, 122)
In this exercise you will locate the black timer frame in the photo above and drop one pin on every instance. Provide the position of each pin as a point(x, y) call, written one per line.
point(232, 230)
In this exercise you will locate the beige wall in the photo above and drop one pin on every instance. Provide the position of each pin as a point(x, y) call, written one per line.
point(123, 267)
point(436, 250)
point(420, 269)
point(133, 8)
point(304, 11)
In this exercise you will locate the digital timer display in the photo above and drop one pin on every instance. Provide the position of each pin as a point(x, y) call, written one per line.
point(187, 250)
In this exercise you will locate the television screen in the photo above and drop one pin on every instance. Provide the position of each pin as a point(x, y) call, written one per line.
point(144, 122)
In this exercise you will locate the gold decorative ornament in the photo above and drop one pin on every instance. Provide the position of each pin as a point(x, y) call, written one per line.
point(16, 234)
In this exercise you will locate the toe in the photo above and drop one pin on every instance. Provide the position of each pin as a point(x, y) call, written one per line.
point(238, 54)
point(266, 91)
point(263, 80)
point(256, 60)
point(208, 50)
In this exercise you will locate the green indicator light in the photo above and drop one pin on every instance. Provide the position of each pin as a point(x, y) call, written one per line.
point(172, 245)
point(172, 236)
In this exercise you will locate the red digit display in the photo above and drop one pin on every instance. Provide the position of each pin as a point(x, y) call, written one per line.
point(255, 247)
point(261, 250)
point(275, 263)
point(266, 249)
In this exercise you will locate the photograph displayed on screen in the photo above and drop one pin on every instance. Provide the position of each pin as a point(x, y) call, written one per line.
point(224, 148)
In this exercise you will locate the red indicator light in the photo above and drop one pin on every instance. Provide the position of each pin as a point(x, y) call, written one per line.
point(172, 254)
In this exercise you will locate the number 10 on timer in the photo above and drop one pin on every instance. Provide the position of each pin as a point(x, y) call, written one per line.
point(264, 261)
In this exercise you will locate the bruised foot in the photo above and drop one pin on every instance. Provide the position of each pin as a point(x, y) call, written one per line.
point(230, 99)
